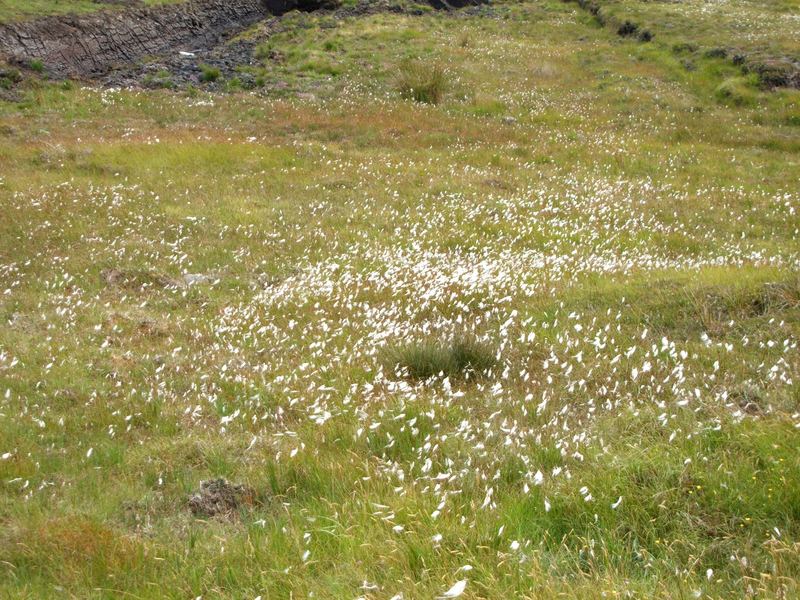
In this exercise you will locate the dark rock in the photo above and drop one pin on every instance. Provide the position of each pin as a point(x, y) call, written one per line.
point(218, 497)
point(776, 72)
point(627, 28)
point(92, 44)
point(717, 53)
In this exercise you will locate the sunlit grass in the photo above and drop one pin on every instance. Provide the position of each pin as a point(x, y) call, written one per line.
point(595, 251)
point(20, 9)
point(459, 357)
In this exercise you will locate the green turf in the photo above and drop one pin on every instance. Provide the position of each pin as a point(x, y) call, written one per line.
point(11, 10)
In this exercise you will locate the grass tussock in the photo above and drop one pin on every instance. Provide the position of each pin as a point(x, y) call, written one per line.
point(422, 82)
point(460, 357)
point(209, 74)
point(737, 91)
point(719, 304)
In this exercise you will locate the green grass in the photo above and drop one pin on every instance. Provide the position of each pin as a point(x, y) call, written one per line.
point(11, 10)
point(460, 357)
point(209, 74)
point(583, 220)
point(421, 82)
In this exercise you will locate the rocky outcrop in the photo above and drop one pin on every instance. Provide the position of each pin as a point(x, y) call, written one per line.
point(75, 46)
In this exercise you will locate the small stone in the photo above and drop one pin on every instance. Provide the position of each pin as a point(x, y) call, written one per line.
point(112, 276)
point(196, 278)
point(220, 497)
point(751, 408)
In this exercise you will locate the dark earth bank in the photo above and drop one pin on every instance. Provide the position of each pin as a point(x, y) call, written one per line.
point(136, 46)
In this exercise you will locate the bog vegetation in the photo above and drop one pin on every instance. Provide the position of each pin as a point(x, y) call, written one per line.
point(491, 303)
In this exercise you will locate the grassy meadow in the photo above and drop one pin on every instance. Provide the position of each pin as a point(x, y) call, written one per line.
point(495, 301)
point(26, 9)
